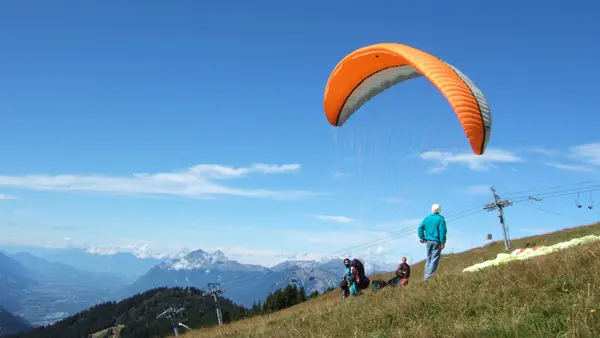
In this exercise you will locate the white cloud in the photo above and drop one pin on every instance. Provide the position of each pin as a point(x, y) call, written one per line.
point(140, 249)
point(375, 256)
point(293, 256)
point(143, 251)
point(588, 153)
point(261, 256)
point(571, 167)
point(393, 200)
point(481, 189)
point(384, 247)
point(8, 197)
point(18, 212)
point(338, 219)
point(102, 251)
point(222, 172)
point(339, 174)
point(195, 182)
point(474, 162)
point(541, 151)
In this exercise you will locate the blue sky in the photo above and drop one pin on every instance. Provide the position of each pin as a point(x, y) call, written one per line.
point(217, 109)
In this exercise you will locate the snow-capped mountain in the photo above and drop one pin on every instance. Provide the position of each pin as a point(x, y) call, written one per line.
point(244, 283)
point(373, 266)
point(196, 260)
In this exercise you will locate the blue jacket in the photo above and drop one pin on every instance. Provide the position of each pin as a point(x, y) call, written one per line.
point(349, 276)
point(433, 228)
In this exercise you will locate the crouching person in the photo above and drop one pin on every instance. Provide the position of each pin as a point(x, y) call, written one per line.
point(403, 272)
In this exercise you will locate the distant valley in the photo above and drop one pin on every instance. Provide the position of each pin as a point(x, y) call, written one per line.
point(42, 291)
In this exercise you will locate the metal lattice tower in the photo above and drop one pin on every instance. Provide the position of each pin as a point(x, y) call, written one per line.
point(499, 205)
point(214, 289)
point(171, 313)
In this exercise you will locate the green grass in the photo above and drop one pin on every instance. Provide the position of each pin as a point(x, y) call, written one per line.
point(548, 296)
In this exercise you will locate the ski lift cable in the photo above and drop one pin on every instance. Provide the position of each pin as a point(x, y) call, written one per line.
point(529, 191)
point(556, 194)
point(405, 232)
point(369, 244)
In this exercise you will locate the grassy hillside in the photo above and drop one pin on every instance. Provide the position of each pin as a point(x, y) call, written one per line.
point(547, 296)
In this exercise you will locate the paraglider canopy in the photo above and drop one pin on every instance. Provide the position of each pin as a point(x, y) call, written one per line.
point(370, 70)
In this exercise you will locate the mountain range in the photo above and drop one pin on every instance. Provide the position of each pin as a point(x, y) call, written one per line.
point(127, 265)
point(45, 285)
point(245, 284)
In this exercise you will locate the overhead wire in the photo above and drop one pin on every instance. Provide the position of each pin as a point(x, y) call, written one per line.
point(559, 193)
point(402, 233)
point(529, 191)
point(407, 231)
point(393, 235)
point(546, 210)
point(467, 211)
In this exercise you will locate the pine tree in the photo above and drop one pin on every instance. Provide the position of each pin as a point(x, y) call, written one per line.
point(291, 294)
point(301, 295)
point(279, 300)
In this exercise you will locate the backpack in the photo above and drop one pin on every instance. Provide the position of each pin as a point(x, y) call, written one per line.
point(363, 281)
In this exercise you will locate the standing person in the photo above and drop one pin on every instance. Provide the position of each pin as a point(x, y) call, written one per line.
point(350, 275)
point(432, 231)
point(403, 272)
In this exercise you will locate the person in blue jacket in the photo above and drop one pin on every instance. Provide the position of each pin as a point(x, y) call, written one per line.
point(350, 277)
point(432, 232)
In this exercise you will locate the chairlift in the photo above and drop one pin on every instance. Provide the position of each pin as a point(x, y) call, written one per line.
point(489, 236)
point(577, 201)
point(591, 206)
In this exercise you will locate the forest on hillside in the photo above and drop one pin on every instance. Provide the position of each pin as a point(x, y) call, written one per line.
point(10, 323)
point(138, 314)
point(281, 299)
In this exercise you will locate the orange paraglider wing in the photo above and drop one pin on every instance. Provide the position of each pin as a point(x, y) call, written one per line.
point(370, 70)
